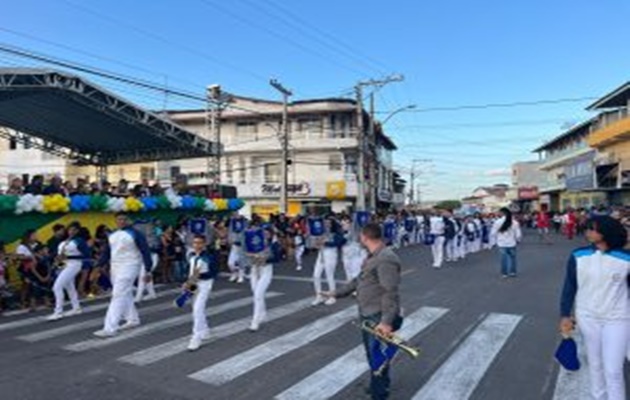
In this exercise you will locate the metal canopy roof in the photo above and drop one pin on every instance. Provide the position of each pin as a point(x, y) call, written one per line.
point(68, 116)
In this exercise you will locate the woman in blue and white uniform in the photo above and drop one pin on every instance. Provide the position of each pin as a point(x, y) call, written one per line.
point(596, 292)
point(261, 275)
point(72, 254)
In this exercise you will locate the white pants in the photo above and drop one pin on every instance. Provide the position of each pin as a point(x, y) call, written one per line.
point(299, 253)
point(199, 304)
point(470, 246)
point(437, 249)
point(121, 305)
point(65, 281)
point(606, 343)
point(460, 248)
point(352, 258)
point(259, 280)
point(451, 245)
point(142, 285)
point(235, 261)
point(326, 262)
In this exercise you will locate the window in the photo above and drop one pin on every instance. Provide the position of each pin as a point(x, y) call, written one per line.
point(335, 162)
point(311, 128)
point(27, 143)
point(228, 170)
point(13, 144)
point(246, 131)
point(272, 173)
point(175, 171)
point(147, 173)
point(241, 170)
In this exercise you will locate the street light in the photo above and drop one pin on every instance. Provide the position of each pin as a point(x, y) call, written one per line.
point(401, 109)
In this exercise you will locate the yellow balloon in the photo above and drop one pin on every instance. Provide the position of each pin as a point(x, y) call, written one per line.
point(221, 204)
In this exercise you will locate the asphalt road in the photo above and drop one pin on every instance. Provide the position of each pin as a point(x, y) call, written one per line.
point(481, 337)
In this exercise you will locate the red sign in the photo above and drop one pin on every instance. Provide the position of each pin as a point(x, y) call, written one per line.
point(528, 193)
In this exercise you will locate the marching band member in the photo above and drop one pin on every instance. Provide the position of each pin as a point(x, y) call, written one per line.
point(352, 253)
point(127, 250)
point(71, 255)
point(450, 235)
point(153, 240)
point(460, 249)
point(263, 250)
point(204, 268)
point(390, 231)
point(235, 238)
point(469, 233)
point(410, 229)
point(328, 240)
point(477, 222)
point(299, 242)
point(436, 229)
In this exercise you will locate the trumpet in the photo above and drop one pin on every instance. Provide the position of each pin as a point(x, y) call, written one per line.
point(395, 340)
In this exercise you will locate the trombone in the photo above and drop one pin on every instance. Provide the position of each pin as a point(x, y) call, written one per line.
point(395, 340)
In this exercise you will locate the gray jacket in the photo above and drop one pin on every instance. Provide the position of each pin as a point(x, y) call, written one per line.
point(377, 285)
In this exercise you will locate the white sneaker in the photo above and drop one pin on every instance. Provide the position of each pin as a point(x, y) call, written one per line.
point(254, 326)
point(206, 336)
point(330, 301)
point(76, 311)
point(54, 317)
point(318, 300)
point(104, 334)
point(150, 297)
point(233, 278)
point(299, 268)
point(240, 280)
point(195, 343)
point(129, 325)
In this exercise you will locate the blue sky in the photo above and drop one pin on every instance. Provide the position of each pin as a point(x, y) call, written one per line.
point(451, 52)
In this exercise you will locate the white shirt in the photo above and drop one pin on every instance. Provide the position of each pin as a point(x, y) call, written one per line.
point(437, 225)
point(510, 237)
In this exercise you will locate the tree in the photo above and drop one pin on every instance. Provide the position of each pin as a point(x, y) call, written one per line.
point(449, 204)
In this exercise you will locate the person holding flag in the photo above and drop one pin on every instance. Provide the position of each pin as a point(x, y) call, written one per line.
point(327, 238)
point(377, 289)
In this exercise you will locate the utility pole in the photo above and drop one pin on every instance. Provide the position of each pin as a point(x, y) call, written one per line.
point(378, 83)
point(412, 178)
point(217, 102)
point(284, 178)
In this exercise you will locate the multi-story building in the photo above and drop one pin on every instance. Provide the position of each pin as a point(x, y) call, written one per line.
point(567, 161)
point(323, 154)
point(526, 181)
point(610, 135)
point(487, 198)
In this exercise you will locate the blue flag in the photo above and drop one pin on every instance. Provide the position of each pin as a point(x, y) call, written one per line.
point(567, 355)
point(316, 226)
point(254, 240)
point(362, 218)
point(381, 354)
point(183, 298)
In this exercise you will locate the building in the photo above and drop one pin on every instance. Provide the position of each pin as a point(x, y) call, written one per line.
point(567, 161)
point(526, 181)
point(610, 136)
point(323, 154)
point(487, 198)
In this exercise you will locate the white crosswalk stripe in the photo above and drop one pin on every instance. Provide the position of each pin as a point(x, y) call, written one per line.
point(458, 377)
point(331, 379)
point(159, 326)
point(96, 322)
point(241, 364)
point(177, 346)
point(88, 309)
point(574, 385)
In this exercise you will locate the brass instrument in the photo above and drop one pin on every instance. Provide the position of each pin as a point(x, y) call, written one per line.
point(395, 340)
point(259, 259)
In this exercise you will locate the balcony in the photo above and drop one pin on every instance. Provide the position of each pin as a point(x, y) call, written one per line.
point(610, 128)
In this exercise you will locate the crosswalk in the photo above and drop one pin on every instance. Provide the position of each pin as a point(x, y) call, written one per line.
point(460, 372)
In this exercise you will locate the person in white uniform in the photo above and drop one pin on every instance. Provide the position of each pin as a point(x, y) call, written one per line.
point(436, 228)
point(153, 240)
point(71, 255)
point(328, 243)
point(236, 265)
point(352, 253)
point(261, 275)
point(127, 252)
point(596, 293)
point(204, 268)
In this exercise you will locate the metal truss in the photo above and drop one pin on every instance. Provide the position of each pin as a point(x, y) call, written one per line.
point(176, 142)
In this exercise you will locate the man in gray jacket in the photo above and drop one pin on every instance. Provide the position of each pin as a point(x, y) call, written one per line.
point(377, 295)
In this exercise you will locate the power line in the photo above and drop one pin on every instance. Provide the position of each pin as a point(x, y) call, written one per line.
point(501, 105)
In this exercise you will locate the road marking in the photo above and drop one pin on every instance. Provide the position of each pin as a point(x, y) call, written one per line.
point(458, 377)
point(574, 385)
point(331, 379)
point(242, 363)
point(97, 307)
point(95, 322)
point(159, 325)
point(177, 346)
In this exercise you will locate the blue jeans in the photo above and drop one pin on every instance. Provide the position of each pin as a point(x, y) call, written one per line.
point(508, 260)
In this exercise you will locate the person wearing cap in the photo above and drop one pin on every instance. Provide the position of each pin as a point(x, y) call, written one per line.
point(71, 255)
point(128, 250)
point(595, 293)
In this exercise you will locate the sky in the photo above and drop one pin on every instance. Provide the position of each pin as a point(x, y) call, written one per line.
point(452, 53)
